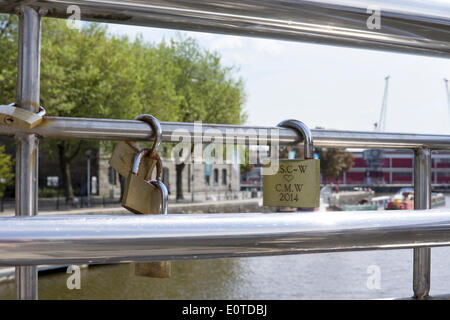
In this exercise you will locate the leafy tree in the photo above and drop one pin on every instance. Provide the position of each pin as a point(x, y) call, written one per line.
point(8, 79)
point(6, 175)
point(334, 162)
point(84, 74)
point(208, 91)
point(89, 73)
point(8, 58)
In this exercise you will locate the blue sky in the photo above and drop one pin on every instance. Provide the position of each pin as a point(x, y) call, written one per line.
point(327, 86)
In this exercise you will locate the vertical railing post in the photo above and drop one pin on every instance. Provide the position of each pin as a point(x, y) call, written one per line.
point(422, 200)
point(27, 144)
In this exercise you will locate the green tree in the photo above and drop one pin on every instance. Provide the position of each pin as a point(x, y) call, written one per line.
point(334, 162)
point(8, 79)
point(89, 73)
point(8, 58)
point(209, 91)
point(85, 73)
point(6, 174)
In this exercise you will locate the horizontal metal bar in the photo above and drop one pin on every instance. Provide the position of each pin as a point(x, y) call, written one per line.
point(121, 238)
point(404, 26)
point(111, 129)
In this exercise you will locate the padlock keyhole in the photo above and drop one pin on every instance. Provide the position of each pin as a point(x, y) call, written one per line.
point(9, 120)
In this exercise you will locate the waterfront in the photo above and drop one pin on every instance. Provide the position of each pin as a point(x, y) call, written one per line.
point(313, 276)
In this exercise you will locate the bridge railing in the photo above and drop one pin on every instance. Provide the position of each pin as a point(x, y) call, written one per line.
point(28, 239)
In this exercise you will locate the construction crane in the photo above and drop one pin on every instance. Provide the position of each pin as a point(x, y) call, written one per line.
point(448, 94)
point(380, 126)
point(374, 157)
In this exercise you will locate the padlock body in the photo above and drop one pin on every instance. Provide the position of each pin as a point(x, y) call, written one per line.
point(18, 117)
point(122, 160)
point(141, 196)
point(296, 184)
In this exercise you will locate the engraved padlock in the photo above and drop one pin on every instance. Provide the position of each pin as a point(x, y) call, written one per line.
point(123, 156)
point(124, 152)
point(12, 116)
point(296, 183)
point(144, 196)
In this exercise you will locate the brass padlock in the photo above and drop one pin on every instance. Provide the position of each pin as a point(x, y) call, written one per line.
point(141, 195)
point(123, 156)
point(124, 152)
point(296, 183)
point(147, 197)
point(13, 116)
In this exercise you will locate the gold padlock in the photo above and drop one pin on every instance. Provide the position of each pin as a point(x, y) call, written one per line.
point(296, 183)
point(124, 152)
point(141, 195)
point(147, 197)
point(127, 156)
point(123, 156)
point(12, 116)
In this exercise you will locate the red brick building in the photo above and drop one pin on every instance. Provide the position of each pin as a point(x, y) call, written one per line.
point(395, 167)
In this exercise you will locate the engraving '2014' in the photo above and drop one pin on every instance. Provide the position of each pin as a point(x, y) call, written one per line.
point(289, 191)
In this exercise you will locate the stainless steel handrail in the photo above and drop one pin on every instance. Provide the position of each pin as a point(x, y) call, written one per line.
point(123, 238)
point(115, 129)
point(27, 145)
point(406, 26)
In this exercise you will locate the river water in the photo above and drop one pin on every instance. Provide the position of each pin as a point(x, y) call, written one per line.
point(347, 275)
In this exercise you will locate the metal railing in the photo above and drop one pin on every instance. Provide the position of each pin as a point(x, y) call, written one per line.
point(413, 27)
point(115, 129)
point(78, 239)
point(26, 241)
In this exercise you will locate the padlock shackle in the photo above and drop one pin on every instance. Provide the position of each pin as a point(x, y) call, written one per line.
point(159, 165)
point(156, 127)
point(137, 161)
point(164, 194)
point(157, 132)
point(154, 156)
point(303, 129)
point(40, 113)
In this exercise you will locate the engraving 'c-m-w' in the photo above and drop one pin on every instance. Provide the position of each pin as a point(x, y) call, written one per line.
point(288, 187)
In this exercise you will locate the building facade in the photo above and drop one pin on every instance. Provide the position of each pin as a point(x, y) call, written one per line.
point(396, 167)
point(199, 180)
point(383, 167)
